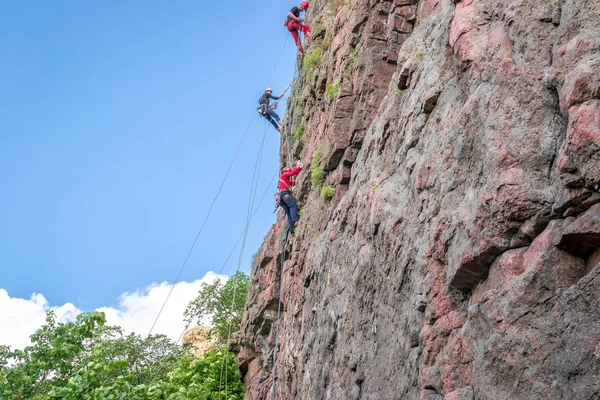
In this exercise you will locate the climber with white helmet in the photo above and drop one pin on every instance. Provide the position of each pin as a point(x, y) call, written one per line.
point(294, 24)
point(267, 111)
point(285, 199)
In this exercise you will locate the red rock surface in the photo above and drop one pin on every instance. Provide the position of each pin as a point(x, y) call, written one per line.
point(458, 258)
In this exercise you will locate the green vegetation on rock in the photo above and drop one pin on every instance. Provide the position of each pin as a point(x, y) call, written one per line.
point(317, 174)
point(332, 90)
point(312, 58)
point(327, 192)
point(299, 132)
point(351, 62)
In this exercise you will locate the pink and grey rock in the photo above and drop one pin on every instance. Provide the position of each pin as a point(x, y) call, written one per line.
point(459, 258)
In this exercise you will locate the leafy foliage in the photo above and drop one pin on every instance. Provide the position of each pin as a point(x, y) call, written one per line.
point(332, 90)
point(335, 5)
point(317, 174)
point(86, 360)
point(222, 302)
point(327, 192)
point(326, 43)
point(205, 378)
point(351, 61)
point(299, 132)
point(35, 372)
point(312, 58)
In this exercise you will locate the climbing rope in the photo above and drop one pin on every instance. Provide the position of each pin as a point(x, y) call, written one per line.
point(251, 201)
point(226, 261)
point(212, 206)
point(278, 58)
point(214, 200)
point(202, 226)
point(250, 215)
point(253, 214)
point(252, 196)
point(283, 249)
point(276, 348)
point(291, 124)
point(191, 249)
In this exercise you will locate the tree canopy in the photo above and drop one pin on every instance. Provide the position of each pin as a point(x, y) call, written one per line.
point(223, 303)
point(87, 360)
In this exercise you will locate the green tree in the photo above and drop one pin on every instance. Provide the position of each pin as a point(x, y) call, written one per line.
point(223, 303)
point(214, 376)
point(33, 372)
point(147, 358)
point(86, 360)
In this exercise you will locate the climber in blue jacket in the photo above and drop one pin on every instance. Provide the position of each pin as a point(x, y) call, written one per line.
point(267, 111)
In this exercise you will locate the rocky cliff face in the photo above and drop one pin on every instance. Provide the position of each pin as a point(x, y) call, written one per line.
point(459, 257)
point(199, 341)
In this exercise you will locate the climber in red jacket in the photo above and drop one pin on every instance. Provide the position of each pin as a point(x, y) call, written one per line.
point(294, 24)
point(286, 200)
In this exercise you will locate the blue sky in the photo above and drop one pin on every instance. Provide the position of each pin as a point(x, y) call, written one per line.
point(118, 121)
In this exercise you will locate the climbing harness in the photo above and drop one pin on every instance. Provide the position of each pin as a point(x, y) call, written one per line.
point(263, 109)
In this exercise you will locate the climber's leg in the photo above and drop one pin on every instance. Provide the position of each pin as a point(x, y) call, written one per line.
point(292, 28)
point(286, 209)
point(290, 222)
point(305, 29)
point(292, 206)
point(272, 121)
point(276, 117)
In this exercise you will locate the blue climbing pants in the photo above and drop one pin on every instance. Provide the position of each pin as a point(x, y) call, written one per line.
point(272, 117)
point(289, 205)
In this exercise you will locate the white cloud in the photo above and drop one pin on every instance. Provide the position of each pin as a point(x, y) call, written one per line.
point(20, 318)
point(136, 312)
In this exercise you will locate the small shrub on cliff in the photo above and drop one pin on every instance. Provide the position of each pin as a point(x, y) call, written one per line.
point(312, 58)
point(351, 61)
point(327, 39)
point(317, 175)
point(420, 55)
point(335, 5)
point(299, 132)
point(327, 192)
point(332, 90)
point(217, 301)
